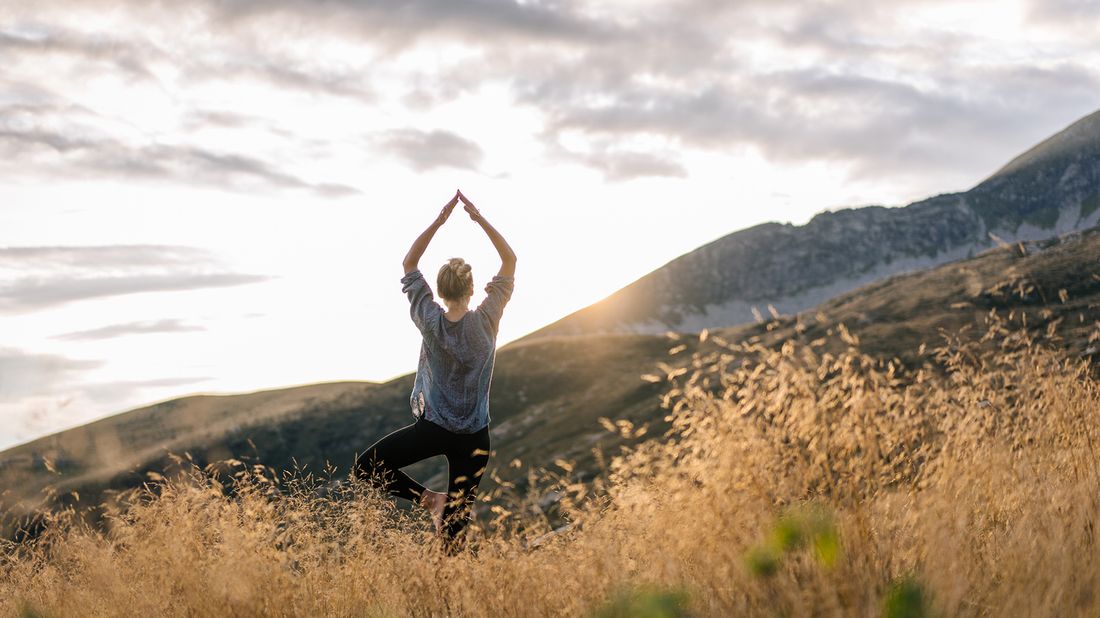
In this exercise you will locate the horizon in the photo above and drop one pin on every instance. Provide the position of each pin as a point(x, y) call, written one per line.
point(189, 204)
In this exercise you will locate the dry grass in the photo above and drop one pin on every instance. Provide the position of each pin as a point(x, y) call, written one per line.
point(793, 482)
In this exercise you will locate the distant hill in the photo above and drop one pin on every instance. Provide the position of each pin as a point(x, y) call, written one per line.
point(547, 397)
point(1051, 189)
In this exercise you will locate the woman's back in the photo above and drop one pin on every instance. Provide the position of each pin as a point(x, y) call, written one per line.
point(455, 369)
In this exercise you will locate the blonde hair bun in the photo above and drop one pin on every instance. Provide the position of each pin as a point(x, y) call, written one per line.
point(460, 266)
point(456, 280)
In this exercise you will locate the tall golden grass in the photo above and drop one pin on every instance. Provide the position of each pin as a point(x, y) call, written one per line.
point(793, 482)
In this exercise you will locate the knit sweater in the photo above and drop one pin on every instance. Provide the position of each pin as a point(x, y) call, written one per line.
point(456, 358)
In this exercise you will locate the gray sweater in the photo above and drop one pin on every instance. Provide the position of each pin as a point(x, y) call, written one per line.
point(456, 358)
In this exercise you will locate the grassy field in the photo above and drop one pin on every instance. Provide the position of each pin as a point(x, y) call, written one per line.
point(808, 479)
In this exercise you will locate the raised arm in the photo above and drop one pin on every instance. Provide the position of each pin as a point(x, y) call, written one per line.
point(412, 258)
point(507, 256)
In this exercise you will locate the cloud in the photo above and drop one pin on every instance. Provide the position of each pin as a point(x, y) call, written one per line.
point(42, 393)
point(132, 56)
point(282, 73)
point(126, 57)
point(404, 22)
point(874, 86)
point(30, 375)
point(25, 374)
point(392, 20)
point(1079, 13)
point(617, 164)
point(625, 165)
point(99, 257)
point(839, 81)
point(64, 141)
point(44, 133)
point(130, 328)
point(424, 150)
point(30, 295)
point(879, 125)
point(33, 278)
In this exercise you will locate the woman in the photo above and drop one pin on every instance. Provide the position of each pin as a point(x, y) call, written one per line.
point(450, 397)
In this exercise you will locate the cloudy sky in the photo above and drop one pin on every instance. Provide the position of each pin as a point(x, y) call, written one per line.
point(215, 196)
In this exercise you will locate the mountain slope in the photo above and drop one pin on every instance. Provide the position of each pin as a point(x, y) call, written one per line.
point(1052, 286)
point(1050, 189)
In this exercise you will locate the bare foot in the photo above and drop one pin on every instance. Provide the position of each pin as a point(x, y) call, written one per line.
point(434, 501)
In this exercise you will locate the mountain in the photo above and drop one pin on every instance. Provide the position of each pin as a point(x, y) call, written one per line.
point(1050, 189)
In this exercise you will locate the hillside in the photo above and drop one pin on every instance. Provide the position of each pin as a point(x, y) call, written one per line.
point(1048, 284)
point(547, 398)
point(549, 393)
point(1051, 189)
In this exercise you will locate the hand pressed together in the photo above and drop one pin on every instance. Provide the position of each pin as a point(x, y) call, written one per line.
point(507, 256)
point(447, 208)
point(472, 210)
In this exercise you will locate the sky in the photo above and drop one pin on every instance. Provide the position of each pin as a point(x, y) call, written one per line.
point(215, 196)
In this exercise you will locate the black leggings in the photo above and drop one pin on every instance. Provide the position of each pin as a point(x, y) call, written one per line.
point(467, 456)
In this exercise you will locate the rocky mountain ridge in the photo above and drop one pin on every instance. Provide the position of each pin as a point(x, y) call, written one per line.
point(1049, 190)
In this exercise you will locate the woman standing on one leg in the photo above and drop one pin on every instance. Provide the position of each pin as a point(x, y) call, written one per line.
point(450, 397)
